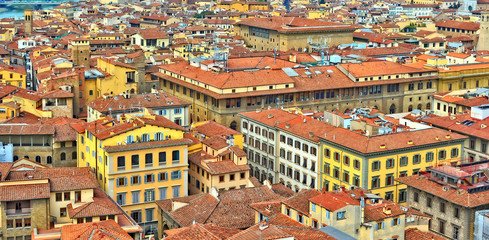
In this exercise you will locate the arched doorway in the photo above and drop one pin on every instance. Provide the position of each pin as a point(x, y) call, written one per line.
point(392, 109)
point(410, 108)
point(233, 125)
point(420, 106)
point(428, 106)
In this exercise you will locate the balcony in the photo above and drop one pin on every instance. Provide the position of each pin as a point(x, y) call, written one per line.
point(18, 212)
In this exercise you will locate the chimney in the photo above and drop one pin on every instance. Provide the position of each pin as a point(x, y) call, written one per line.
point(287, 125)
point(387, 211)
point(270, 116)
point(311, 134)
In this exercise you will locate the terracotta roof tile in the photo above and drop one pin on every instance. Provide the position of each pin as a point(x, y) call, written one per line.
point(212, 128)
point(300, 201)
point(101, 205)
point(103, 230)
point(472, 26)
point(24, 191)
point(199, 231)
point(415, 234)
point(334, 200)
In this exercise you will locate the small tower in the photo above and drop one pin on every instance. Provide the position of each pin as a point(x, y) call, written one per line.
point(483, 43)
point(80, 52)
point(28, 21)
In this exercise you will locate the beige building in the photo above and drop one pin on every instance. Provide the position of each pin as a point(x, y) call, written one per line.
point(219, 165)
point(52, 198)
point(220, 93)
point(289, 33)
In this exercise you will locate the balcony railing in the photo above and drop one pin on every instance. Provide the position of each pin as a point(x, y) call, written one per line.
point(15, 212)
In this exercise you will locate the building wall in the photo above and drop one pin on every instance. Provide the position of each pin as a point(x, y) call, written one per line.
point(39, 217)
point(465, 221)
point(365, 172)
point(207, 181)
point(293, 214)
point(329, 218)
point(55, 206)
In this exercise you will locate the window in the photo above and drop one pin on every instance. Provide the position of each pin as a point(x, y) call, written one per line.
point(375, 165)
point(389, 196)
point(375, 182)
point(67, 196)
point(402, 195)
point(149, 195)
point(341, 215)
point(346, 160)
point(428, 202)
point(326, 168)
point(62, 156)
point(429, 156)
point(416, 159)
point(59, 197)
point(336, 173)
point(389, 163)
point(136, 215)
point(441, 226)
point(242, 175)
point(121, 162)
point(379, 225)
point(389, 180)
point(403, 161)
point(442, 154)
point(176, 191)
point(327, 153)
point(163, 191)
point(454, 152)
point(356, 164)
point(135, 180)
point(337, 156)
point(456, 212)
point(175, 175)
point(149, 178)
point(135, 197)
point(416, 197)
point(10, 223)
point(121, 182)
point(62, 212)
point(300, 218)
point(148, 159)
point(346, 177)
point(162, 158)
point(162, 176)
point(456, 232)
point(442, 207)
point(77, 196)
point(176, 157)
point(27, 222)
point(149, 214)
point(135, 160)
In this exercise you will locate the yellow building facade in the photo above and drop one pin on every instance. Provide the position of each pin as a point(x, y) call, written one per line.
point(137, 161)
point(376, 170)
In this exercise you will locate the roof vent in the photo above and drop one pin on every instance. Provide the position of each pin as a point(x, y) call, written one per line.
point(382, 146)
point(311, 134)
point(447, 136)
point(287, 125)
point(410, 142)
point(270, 116)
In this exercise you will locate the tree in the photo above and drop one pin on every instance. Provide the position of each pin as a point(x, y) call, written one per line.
point(203, 14)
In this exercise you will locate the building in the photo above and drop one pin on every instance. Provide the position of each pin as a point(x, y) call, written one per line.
point(52, 199)
point(220, 165)
point(357, 158)
point(473, 125)
point(482, 44)
point(137, 160)
point(28, 20)
point(457, 28)
point(458, 102)
point(288, 33)
point(160, 103)
point(463, 77)
point(260, 141)
point(51, 143)
point(453, 196)
point(218, 92)
point(208, 129)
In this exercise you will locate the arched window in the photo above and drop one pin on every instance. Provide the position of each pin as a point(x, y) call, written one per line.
point(428, 106)
point(420, 106)
point(38, 159)
point(410, 108)
point(233, 125)
point(49, 160)
point(392, 109)
point(62, 156)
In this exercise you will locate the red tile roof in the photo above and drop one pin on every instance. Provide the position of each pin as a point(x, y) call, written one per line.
point(333, 201)
point(198, 208)
point(104, 230)
point(472, 26)
point(453, 123)
point(24, 191)
point(377, 212)
point(212, 128)
point(102, 205)
point(294, 24)
point(379, 68)
point(416, 234)
point(300, 201)
point(198, 231)
point(455, 195)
